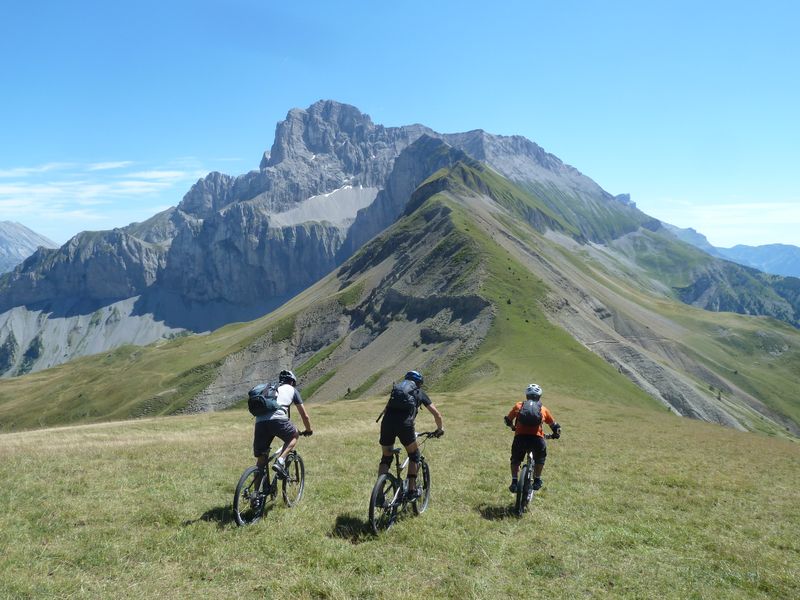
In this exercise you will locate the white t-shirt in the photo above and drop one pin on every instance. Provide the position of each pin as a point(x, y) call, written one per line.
point(287, 395)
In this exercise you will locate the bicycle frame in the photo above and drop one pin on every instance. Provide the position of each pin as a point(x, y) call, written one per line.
point(400, 467)
point(273, 483)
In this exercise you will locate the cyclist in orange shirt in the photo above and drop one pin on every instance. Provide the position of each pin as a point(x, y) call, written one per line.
point(526, 420)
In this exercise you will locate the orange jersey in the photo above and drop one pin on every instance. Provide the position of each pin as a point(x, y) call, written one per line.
point(520, 429)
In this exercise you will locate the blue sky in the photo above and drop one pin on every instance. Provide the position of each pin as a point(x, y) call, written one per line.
point(110, 111)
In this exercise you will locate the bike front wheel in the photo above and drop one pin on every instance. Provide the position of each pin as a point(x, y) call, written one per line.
point(424, 485)
point(522, 496)
point(248, 500)
point(294, 485)
point(382, 505)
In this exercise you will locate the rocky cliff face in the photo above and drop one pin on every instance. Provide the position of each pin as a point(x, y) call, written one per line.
point(226, 240)
point(331, 181)
point(92, 266)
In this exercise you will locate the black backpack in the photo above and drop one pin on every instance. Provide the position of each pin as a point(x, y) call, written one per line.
point(531, 413)
point(402, 396)
point(263, 399)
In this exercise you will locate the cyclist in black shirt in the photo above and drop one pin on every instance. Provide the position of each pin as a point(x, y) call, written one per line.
point(398, 422)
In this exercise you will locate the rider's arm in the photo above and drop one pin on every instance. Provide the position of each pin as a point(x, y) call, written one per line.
point(436, 415)
point(512, 414)
point(304, 415)
point(548, 418)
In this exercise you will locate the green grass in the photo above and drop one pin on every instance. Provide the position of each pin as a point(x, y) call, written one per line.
point(129, 381)
point(310, 389)
point(284, 329)
point(351, 294)
point(317, 358)
point(360, 390)
point(636, 504)
point(524, 346)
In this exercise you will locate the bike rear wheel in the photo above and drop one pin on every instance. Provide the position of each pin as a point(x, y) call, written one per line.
point(382, 509)
point(522, 482)
point(424, 485)
point(248, 500)
point(294, 485)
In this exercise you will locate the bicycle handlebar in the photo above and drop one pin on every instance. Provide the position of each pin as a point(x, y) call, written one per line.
point(429, 434)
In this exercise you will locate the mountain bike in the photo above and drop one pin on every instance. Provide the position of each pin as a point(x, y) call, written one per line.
point(389, 495)
point(525, 482)
point(255, 489)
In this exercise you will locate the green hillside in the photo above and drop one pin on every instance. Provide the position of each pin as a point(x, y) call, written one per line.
point(162, 379)
point(466, 288)
point(637, 503)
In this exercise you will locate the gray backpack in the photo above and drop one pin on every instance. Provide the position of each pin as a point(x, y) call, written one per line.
point(531, 413)
point(402, 396)
point(263, 399)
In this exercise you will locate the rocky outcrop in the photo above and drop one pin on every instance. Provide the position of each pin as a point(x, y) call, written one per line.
point(92, 266)
point(17, 243)
point(402, 296)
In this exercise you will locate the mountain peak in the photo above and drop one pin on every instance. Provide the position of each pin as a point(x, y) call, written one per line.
point(315, 130)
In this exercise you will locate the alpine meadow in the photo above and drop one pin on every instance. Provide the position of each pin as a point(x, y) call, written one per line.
point(480, 260)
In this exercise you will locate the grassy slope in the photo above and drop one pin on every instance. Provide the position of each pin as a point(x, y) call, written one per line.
point(127, 382)
point(523, 345)
point(758, 354)
point(637, 503)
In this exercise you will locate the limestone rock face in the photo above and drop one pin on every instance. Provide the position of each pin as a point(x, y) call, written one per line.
point(108, 265)
point(229, 239)
point(236, 247)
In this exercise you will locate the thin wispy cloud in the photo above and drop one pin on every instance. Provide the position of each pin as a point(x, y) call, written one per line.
point(21, 172)
point(107, 166)
point(159, 174)
point(70, 197)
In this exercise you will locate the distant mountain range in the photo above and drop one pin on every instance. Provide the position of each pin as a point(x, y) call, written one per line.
point(778, 259)
point(17, 243)
point(358, 247)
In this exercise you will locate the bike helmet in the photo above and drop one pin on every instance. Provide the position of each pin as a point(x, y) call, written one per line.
point(533, 392)
point(287, 377)
point(415, 376)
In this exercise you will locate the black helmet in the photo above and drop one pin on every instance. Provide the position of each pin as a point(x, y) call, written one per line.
point(287, 377)
point(415, 376)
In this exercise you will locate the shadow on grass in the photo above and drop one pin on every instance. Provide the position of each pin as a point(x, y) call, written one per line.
point(353, 529)
point(496, 512)
point(222, 515)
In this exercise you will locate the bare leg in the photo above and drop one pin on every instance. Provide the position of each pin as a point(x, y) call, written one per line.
point(289, 446)
point(514, 470)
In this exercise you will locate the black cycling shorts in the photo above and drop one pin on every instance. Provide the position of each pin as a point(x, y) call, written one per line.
point(525, 443)
point(266, 431)
point(397, 425)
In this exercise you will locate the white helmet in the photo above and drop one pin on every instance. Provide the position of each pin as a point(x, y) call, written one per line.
point(533, 392)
